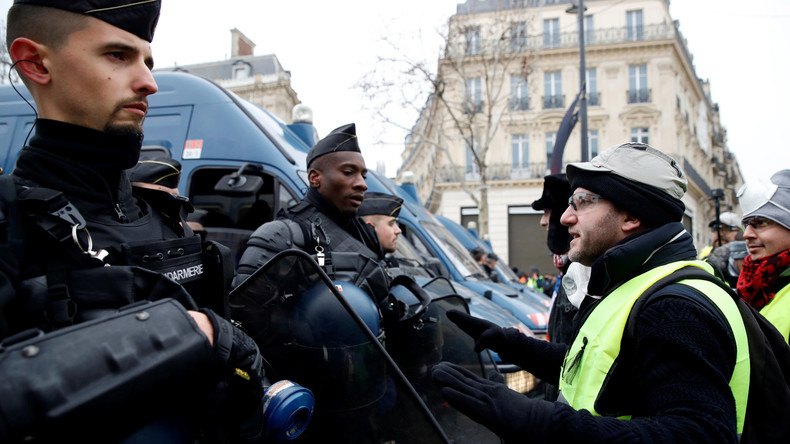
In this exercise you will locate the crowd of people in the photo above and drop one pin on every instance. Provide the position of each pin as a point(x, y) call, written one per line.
point(106, 338)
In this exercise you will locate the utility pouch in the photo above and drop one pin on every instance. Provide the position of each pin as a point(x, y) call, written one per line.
point(218, 268)
point(100, 380)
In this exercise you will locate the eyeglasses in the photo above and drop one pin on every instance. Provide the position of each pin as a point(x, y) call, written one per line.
point(583, 201)
point(758, 223)
point(724, 227)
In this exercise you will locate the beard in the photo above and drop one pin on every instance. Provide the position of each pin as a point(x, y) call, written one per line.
point(594, 243)
point(114, 126)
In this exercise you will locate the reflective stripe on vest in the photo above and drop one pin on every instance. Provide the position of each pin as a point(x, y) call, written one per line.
point(778, 312)
point(595, 348)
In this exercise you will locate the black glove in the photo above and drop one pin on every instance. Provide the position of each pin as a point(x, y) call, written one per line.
point(509, 414)
point(486, 334)
point(242, 370)
point(539, 357)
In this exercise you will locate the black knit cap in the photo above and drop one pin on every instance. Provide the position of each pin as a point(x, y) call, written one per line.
point(138, 17)
point(556, 191)
point(158, 171)
point(343, 138)
point(637, 178)
point(650, 205)
point(380, 204)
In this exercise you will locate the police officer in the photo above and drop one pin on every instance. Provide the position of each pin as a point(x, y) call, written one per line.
point(325, 222)
point(125, 351)
point(381, 211)
point(681, 374)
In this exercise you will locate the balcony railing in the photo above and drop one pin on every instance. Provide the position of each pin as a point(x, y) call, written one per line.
point(519, 103)
point(639, 95)
point(593, 98)
point(555, 101)
point(449, 174)
point(473, 107)
point(570, 39)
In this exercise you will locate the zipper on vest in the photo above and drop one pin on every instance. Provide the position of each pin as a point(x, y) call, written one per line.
point(573, 369)
point(119, 212)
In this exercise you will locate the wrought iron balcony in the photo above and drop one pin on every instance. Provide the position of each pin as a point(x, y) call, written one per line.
point(639, 95)
point(556, 101)
point(519, 103)
point(500, 171)
point(605, 36)
point(473, 107)
point(593, 98)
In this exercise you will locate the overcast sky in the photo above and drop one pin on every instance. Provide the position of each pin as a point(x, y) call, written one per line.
point(741, 47)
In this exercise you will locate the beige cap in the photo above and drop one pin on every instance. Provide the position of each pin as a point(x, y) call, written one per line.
point(637, 162)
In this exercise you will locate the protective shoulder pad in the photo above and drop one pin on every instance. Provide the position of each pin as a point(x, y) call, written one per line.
point(265, 242)
point(278, 235)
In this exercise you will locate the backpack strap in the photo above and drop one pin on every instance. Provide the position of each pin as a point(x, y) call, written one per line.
point(688, 272)
point(12, 232)
point(769, 361)
point(63, 222)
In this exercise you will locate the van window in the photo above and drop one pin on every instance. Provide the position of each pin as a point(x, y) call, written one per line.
point(286, 198)
point(231, 220)
point(454, 251)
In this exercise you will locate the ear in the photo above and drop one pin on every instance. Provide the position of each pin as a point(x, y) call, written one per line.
point(30, 56)
point(630, 224)
point(314, 177)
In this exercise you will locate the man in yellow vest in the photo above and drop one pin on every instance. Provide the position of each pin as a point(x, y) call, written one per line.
point(764, 281)
point(677, 370)
point(725, 229)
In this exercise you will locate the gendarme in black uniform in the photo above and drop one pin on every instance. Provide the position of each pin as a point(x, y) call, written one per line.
point(346, 247)
point(97, 343)
point(69, 169)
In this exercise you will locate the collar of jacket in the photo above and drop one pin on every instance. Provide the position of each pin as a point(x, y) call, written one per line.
point(95, 149)
point(325, 206)
point(85, 164)
point(638, 253)
point(352, 223)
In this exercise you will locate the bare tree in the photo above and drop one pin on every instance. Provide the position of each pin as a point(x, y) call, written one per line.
point(458, 106)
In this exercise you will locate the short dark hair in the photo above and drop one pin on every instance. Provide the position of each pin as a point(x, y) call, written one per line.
point(48, 26)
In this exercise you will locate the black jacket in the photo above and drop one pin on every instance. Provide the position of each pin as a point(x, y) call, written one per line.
point(351, 248)
point(87, 167)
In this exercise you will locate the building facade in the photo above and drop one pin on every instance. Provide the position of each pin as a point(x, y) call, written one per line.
point(510, 71)
point(258, 79)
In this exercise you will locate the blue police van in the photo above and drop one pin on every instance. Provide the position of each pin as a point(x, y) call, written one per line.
point(505, 274)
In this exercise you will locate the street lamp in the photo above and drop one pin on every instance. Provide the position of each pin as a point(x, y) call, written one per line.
point(579, 10)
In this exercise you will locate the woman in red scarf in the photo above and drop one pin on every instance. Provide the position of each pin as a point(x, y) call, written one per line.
point(764, 281)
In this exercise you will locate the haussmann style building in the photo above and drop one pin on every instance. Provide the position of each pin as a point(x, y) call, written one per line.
point(509, 73)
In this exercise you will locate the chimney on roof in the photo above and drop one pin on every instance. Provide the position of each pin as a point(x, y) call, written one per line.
point(240, 45)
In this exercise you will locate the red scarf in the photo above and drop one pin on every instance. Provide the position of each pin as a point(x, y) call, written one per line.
point(757, 278)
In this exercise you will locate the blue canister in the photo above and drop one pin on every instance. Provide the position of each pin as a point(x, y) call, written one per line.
point(287, 408)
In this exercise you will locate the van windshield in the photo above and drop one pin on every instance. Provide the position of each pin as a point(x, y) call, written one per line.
point(458, 255)
point(276, 129)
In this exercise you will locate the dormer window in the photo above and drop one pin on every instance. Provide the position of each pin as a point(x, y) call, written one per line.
point(241, 71)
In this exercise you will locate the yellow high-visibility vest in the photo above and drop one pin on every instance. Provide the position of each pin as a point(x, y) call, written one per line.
point(591, 355)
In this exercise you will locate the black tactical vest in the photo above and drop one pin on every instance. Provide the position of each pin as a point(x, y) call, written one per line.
point(63, 279)
point(342, 256)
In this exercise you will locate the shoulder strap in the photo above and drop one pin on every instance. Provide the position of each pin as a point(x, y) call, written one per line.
point(769, 360)
point(11, 222)
point(688, 272)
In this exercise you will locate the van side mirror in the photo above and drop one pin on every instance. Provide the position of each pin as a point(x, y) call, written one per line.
point(239, 184)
